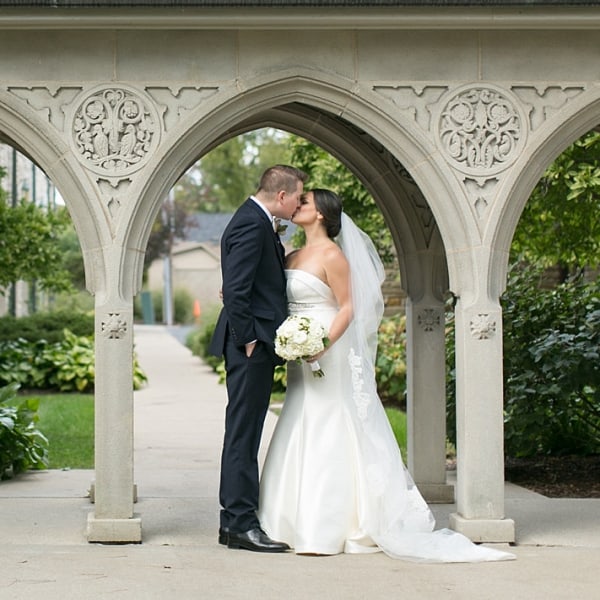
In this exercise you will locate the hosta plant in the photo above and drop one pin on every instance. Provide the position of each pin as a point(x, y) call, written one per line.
point(22, 445)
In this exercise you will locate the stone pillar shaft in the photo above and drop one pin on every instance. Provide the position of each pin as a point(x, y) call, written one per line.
point(479, 430)
point(113, 519)
point(426, 402)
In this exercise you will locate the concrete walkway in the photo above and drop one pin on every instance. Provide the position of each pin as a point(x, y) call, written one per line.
point(179, 426)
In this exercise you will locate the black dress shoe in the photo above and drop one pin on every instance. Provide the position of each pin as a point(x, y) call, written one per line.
point(256, 540)
point(224, 535)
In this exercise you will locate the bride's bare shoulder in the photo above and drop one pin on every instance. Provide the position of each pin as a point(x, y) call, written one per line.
point(333, 253)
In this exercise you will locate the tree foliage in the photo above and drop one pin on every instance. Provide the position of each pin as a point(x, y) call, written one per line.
point(224, 177)
point(170, 224)
point(72, 257)
point(29, 244)
point(560, 224)
point(219, 182)
point(325, 171)
point(552, 365)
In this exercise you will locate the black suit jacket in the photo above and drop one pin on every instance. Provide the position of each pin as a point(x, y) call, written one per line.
point(254, 284)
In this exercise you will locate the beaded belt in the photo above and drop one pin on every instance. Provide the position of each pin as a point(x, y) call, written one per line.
point(300, 305)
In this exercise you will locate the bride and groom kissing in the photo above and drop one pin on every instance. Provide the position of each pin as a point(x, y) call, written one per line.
point(333, 479)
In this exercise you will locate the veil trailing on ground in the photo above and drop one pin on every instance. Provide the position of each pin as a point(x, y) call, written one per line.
point(392, 511)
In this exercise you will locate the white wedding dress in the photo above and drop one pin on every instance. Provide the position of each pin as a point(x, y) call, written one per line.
point(333, 480)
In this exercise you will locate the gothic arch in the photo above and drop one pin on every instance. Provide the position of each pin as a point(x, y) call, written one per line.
point(401, 148)
point(46, 147)
point(575, 120)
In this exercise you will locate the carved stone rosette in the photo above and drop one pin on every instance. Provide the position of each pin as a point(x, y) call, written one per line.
point(429, 319)
point(482, 327)
point(480, 130)
point(114, 327)
point(114, 130)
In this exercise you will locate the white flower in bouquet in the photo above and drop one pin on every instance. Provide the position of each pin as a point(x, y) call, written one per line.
point(300, 337)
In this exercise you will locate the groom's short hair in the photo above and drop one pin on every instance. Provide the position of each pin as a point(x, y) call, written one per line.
point(281, 177)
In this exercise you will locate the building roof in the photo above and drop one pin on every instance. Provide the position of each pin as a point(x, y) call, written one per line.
point(206, 227)
point(285, 3)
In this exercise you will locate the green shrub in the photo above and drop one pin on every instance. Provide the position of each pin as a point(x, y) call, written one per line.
point(67, 365)
point(71, 364)
point(47, 326)
point(183, 306)
point(81, 302)
point(551, 367)
point(23, 362)
point(390, 365)
point(198, 340)
point(22, 446)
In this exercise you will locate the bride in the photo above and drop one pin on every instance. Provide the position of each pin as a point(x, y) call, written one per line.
point(333, 479)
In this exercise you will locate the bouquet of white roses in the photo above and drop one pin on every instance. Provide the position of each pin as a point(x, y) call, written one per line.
point(300, 337)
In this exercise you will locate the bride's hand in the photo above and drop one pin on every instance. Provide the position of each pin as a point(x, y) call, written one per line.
point(315, 357)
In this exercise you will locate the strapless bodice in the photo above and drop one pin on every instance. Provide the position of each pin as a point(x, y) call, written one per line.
point(306, 292)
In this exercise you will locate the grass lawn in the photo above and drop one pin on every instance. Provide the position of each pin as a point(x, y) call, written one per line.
point(397, 420)
point(67, 420)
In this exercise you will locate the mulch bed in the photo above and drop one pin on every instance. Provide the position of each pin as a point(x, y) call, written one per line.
point(556, 476)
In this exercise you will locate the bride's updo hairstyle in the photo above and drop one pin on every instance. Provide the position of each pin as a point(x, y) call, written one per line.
point(330, 206)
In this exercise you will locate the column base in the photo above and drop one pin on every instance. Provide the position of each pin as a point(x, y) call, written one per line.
point(437, 493)
point(114, 531)
point(92, 492)
point(484, 530)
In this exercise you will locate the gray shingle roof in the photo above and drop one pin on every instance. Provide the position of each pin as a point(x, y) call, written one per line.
point(207, 228)
point(284, 3)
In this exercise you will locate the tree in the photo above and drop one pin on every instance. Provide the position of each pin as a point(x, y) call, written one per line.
point(325, 171)
point(29, 247)
point(171, 223)
point(218, 182)
point(72, 257)
point(560, 224)
point(224, 177)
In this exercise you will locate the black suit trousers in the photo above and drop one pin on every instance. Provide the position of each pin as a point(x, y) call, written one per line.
point(249, 382)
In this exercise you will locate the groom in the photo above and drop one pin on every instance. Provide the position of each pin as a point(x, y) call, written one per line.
point(254, 305)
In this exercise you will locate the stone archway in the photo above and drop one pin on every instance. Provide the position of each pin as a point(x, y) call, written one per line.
point(373, 91)
point(310, 106)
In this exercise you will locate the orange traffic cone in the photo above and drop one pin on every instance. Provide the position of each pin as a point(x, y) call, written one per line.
point(197, 310)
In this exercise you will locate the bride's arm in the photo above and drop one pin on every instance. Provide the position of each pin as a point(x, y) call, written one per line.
point(337, 271)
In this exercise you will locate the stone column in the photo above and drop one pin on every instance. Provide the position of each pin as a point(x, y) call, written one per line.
point(113, 519)
point(479, 425)
point(426, 405)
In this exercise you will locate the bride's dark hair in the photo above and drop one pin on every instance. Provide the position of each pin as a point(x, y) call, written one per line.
point(329, 205)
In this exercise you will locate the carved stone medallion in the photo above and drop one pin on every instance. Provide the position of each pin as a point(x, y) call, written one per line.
point(482, 326)
point(114, 130)
point(481, 129)
point(114, 327)
point(429, 319)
